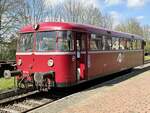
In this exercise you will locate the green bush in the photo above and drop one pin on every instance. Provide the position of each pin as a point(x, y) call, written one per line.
point(8, 50)
point(147, 47)
point(6, 83)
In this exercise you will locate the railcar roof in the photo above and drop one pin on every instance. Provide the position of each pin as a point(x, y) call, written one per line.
point(48, 26)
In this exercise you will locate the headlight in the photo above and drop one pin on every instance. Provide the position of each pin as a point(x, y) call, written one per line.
point(19, 62)
point(50, 62)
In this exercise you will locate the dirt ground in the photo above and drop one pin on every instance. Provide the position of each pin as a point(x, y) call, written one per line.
point(126, 94)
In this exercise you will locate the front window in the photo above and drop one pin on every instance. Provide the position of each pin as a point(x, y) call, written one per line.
point(54, 40)
point(45, 41)
point(65, 41)
point(25, 43)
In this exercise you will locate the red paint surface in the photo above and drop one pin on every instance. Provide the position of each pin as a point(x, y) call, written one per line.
point(106, 63)
point(64, 67)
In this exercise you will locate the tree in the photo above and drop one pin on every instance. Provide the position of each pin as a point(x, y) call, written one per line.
point(130, 26)
point(146, 35)
point(75, 11)
point(107, 21)
point(134, 27)
point(146, 32)
point(53, 12)
point(7, 20)
point(80, 12)
point(7, 28)
point(30, 12)
point(8, 50)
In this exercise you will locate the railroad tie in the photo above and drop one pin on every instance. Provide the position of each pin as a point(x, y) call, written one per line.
point(23, 106)
point(35, 101)
point(9, 110)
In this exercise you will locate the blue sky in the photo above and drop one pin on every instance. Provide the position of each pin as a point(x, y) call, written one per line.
point(121, 10)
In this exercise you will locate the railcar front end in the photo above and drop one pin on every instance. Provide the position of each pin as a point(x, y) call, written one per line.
point(46, 59)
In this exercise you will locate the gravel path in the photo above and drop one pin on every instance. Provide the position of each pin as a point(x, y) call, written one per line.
point(127, 94)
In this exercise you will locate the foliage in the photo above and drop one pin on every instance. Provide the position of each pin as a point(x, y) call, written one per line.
point(147, 47)
point(130, 26)
point(8, 17)
point(78, 11)
point(147, 58)
point(6, 83)
point(8, 50)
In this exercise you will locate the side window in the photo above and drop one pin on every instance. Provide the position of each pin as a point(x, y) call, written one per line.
point(115, 43)
point(139, 44)
point(134, 44)
point(104, 41)
point(107, 44)
point(93, 44)
point(122, 44)
point(129, 44)
point(99, 42)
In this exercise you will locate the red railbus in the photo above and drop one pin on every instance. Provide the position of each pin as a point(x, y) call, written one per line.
point(57, 54)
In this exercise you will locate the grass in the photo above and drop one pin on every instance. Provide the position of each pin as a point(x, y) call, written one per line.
point(6, 83)
point(147, 58)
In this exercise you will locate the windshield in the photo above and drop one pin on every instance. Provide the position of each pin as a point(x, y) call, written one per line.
point(46, 41)
point(25, 43)
point(54, 40)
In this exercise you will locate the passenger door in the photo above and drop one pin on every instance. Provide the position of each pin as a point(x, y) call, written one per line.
point(81, 56)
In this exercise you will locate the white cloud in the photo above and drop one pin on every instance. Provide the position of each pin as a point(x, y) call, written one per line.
point(129, 3)
point(140, 18)
point(113, 2)
point(116, 17)
point(136, 3)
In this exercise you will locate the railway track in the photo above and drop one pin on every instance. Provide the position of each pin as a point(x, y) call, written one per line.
point(27, 102)
point(14, 92)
